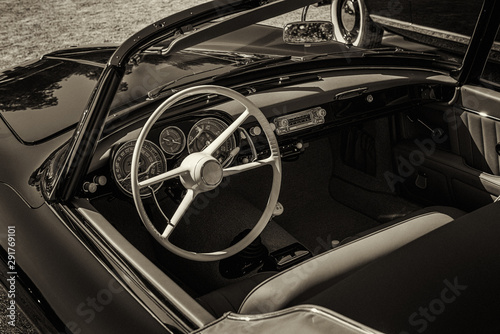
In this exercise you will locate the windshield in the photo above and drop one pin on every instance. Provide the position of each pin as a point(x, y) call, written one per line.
point(211, 52)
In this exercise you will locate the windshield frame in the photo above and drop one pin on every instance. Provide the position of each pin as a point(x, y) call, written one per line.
point(86, 136)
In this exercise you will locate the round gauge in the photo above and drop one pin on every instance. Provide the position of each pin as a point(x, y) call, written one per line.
point(204, 132)
point(172, 140)
point(152, 162)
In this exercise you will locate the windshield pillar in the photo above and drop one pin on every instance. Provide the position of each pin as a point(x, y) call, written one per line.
point(84, 140)
point(480, 43)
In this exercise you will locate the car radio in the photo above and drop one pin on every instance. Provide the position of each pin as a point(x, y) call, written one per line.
point(300, 120)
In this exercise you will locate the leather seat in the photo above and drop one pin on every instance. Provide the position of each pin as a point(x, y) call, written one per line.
point(443, 282)
point(299, 283)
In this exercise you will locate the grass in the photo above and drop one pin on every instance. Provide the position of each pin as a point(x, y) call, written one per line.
point(31, 28)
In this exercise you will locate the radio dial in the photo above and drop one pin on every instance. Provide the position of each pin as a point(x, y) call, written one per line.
point(300, 120)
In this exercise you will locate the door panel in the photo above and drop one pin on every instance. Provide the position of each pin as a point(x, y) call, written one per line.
point(477, 138)
point(461, 167)
point(476, 129)
point(444, 178)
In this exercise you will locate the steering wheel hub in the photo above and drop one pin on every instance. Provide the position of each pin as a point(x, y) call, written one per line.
point(205, 172)
point(211, 173)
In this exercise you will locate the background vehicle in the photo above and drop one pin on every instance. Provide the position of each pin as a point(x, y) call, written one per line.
point(447, 24)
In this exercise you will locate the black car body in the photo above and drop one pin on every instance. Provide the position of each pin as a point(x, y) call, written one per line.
point(359, 141)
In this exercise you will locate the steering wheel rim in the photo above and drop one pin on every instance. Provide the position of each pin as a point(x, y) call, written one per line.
point(200, 172)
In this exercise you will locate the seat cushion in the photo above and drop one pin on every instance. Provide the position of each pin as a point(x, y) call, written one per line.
point(306, 279)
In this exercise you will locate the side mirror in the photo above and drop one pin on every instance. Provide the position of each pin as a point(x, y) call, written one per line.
point(308, 32)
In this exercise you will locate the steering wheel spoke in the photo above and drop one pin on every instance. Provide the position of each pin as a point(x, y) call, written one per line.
point(179, 171)
point(226, 134)
point(248, 166)
point(179, 213)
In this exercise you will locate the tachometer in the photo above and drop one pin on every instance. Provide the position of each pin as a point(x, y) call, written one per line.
point(204, 132)
point(152, 162)
point(172, 140)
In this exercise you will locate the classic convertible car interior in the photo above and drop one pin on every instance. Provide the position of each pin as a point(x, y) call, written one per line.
point(335, 182)
point(382, 158)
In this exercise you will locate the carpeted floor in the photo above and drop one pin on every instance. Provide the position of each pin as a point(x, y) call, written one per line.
point(311, 215)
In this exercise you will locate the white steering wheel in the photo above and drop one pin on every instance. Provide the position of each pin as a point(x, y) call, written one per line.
point(200, 172)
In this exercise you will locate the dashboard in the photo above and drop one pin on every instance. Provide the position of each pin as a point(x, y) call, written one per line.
point(296, 114)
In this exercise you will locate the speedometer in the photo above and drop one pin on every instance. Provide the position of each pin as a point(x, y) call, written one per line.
point(204, 132)
point(152, 162)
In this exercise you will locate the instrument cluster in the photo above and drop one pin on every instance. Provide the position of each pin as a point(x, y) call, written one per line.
point(165, 148)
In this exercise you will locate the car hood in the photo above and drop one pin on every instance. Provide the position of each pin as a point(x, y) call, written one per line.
point(39, 100)
point(43, 98)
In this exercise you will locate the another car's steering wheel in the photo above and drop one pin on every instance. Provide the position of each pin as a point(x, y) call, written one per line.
point(200, 172)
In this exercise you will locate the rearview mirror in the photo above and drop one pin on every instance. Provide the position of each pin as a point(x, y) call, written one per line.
point(308, 32)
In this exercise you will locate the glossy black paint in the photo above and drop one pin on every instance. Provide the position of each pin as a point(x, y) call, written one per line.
point(56, 262)
point(23, 162)
point(33, 97)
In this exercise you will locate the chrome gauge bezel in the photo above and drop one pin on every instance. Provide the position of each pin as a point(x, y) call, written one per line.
point(220, 125)
point(181, 135)
point(151, 152)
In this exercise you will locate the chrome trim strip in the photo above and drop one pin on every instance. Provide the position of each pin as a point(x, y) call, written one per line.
point(397, 24)
point(128, 279)
point(75, 60)
point(481, 114)
point(443, 34)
